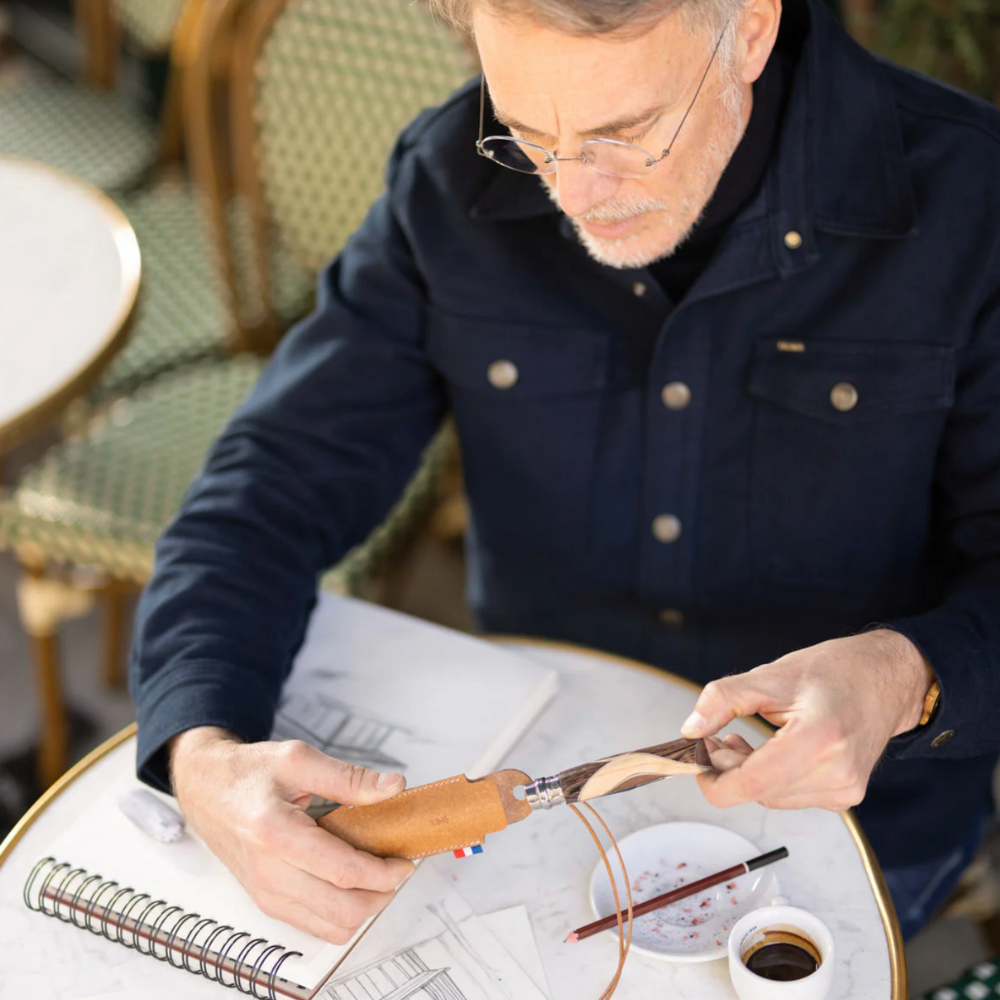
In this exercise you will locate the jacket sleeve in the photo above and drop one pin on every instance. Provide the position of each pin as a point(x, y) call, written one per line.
point(306, 468)
point(961, 637)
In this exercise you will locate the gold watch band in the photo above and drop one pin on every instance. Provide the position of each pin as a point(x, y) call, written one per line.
point(931, 700)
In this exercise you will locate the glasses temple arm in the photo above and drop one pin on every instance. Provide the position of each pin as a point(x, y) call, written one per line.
point(701, 84)
point(482, 107)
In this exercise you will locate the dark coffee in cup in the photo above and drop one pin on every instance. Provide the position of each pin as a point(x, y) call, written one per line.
point(782, 955)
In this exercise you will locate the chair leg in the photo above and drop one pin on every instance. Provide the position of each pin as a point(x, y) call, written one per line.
point(53, 741)
point(171, 145)
point(43, 603)
point(115, 598)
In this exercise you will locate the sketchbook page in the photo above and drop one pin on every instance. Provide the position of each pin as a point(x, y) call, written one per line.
point(370, 686)
point(430, 940)
point(512, 928)
point(185, 874)
point(382, 689)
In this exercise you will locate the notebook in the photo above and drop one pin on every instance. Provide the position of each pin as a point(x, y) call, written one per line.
point(370, 686)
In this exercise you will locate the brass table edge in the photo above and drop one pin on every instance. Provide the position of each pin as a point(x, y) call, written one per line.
point(29, 422)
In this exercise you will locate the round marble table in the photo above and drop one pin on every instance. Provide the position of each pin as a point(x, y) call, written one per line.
point(604, 705)
point(69, 278)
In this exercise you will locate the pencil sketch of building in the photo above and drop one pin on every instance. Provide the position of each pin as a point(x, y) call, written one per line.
point(403, 976)
point(337, 729)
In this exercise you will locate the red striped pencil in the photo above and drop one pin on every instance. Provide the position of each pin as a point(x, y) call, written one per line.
point(606, 923)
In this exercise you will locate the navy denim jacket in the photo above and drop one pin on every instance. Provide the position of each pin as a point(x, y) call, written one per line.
point(799, 521)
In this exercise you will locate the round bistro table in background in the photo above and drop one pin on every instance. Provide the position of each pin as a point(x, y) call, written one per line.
point(605, 705)
point(69, 279)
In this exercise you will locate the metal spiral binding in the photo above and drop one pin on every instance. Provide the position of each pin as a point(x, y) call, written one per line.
point(62, 887)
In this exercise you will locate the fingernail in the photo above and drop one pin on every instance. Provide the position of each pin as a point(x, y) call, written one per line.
point(693, 725)
point(387, 779)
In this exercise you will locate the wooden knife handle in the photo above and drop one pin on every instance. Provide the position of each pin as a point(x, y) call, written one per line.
point(432, 819)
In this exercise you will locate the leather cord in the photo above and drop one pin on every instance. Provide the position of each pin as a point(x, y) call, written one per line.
point(624, 941)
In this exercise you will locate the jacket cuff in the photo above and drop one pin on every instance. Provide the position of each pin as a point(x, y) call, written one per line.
point(198, 694)
point(963, 665)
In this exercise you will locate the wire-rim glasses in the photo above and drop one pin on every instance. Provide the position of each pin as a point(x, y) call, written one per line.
point(612, 157)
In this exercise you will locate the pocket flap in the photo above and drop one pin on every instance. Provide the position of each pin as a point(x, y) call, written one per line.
point(850, 383)
point(517, 362)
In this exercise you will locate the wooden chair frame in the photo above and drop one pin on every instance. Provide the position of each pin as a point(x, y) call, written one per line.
point(206, 101)
point(254, 29)
point(98, 26)
point(254, 32)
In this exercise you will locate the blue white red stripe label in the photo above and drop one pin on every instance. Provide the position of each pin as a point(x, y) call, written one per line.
point(465, 852)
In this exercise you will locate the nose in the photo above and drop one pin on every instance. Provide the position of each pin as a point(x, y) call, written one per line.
point(579, 188)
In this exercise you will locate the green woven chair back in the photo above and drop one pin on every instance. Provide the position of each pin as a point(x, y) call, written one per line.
point(104, 499)
point(336, 81)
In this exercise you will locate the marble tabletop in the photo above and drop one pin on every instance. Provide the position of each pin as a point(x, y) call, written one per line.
point(604, 706)
point(69, 277)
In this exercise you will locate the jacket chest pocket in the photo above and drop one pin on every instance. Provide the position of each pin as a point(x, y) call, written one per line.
point(527, 404)
point(845, 439)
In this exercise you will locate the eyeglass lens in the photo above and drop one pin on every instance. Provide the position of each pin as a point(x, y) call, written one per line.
point(616, 159)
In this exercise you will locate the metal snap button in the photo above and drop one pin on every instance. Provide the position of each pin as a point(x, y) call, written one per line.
point(639, 289)
point(676, 395)
point(844, 396)
point(672, 618)
point(793, 240)
point(503, 374)
point(666, 528)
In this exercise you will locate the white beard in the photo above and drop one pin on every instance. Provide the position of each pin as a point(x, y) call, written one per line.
point(678, 217)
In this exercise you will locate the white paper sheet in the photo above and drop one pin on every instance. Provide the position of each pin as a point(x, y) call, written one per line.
point(435, 938)
point(512, 928)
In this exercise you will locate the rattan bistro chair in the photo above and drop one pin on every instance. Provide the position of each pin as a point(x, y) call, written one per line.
point(182, 316)
point(321, 90)
point(85, 128)
point(83, 521)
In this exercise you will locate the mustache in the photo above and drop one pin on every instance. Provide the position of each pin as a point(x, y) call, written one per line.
point(619, 209)
point(614, 209)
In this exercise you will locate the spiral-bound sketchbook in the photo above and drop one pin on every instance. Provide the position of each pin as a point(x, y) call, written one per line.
point(370, 686)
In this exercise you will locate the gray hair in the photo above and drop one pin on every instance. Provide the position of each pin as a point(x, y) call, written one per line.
point(603, 17)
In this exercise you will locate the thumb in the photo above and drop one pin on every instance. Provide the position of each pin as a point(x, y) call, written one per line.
point(312, 771)
point(722, 701)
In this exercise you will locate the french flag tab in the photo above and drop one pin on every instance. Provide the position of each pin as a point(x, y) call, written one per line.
point(466, 852)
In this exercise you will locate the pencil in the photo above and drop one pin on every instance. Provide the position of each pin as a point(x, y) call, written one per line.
point(606, 923)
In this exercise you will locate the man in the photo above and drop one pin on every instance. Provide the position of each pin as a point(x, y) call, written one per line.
point(723, 349)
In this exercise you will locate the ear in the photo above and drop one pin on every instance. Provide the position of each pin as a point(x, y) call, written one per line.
point(758, 31)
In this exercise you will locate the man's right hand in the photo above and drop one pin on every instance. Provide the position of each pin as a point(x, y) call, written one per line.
point(247, 801)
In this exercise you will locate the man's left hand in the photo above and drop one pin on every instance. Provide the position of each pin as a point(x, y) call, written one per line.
point(836, 704)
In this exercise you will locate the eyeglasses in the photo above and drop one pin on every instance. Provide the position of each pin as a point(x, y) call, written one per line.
point(607, 156)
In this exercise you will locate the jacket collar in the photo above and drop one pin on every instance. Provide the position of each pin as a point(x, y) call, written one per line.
point(839, 166)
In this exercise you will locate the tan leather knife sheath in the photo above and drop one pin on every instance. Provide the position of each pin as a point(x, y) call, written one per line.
point(432, 819)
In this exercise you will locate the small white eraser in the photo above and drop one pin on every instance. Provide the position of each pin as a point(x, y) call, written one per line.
point(152, 816)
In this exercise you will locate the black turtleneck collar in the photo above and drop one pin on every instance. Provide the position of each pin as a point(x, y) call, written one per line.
point(739, 182)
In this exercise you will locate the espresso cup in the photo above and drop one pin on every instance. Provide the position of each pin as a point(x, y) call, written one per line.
point(775, 939)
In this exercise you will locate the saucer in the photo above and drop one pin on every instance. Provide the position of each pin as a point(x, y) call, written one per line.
point(665, 857)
